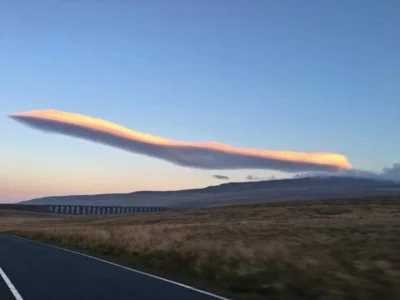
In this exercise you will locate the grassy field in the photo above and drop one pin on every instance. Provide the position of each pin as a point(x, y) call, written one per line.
point(244, 252)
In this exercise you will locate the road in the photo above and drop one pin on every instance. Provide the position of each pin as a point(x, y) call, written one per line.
point(41, 272)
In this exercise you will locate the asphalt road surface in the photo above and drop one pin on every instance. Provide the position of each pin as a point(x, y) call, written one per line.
point(34, 271)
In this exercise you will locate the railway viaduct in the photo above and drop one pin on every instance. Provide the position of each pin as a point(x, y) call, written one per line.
point(82, 209)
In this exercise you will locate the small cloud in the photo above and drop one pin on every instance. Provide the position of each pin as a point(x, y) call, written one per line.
point(302, 175)
point(388, 173)
point(392, 172)
point(221, 177)
point(251, 177)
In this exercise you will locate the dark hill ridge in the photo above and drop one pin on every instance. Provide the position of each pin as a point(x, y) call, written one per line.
point(308, 188)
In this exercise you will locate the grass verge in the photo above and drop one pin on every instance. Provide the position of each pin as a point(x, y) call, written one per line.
point(247, 252)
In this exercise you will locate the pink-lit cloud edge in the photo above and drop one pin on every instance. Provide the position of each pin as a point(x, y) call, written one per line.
point(210, 156)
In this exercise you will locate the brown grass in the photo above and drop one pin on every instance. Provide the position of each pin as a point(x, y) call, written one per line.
point(250, 252)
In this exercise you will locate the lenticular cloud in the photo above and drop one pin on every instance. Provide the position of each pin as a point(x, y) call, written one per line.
point(195, 155)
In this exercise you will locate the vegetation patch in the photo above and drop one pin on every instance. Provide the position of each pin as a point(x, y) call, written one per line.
point(279, 252)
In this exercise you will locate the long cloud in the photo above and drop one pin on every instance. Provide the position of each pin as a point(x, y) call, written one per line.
point(195, 155)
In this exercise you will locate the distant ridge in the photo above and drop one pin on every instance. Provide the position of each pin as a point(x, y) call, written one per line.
point(306, 188)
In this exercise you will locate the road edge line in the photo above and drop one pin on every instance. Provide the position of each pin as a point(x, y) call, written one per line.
point(10, 285)
point(126, 268)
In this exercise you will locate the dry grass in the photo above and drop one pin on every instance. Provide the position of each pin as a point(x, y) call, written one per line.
point(251, 252)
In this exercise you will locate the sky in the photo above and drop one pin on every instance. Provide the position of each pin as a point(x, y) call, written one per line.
point(304, 76)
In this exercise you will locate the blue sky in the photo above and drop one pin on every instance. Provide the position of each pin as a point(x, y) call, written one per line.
point(273, 75)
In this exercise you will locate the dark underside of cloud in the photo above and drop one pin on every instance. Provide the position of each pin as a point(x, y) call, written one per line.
point(188, 156)
point(221, 177)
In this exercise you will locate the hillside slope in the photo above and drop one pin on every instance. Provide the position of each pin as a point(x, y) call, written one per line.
point(238, 193)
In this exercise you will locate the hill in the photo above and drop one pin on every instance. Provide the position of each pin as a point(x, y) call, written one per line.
point(308, 188)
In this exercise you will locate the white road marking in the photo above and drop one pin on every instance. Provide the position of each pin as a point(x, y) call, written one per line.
point(12, 288)
point(129, 269)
